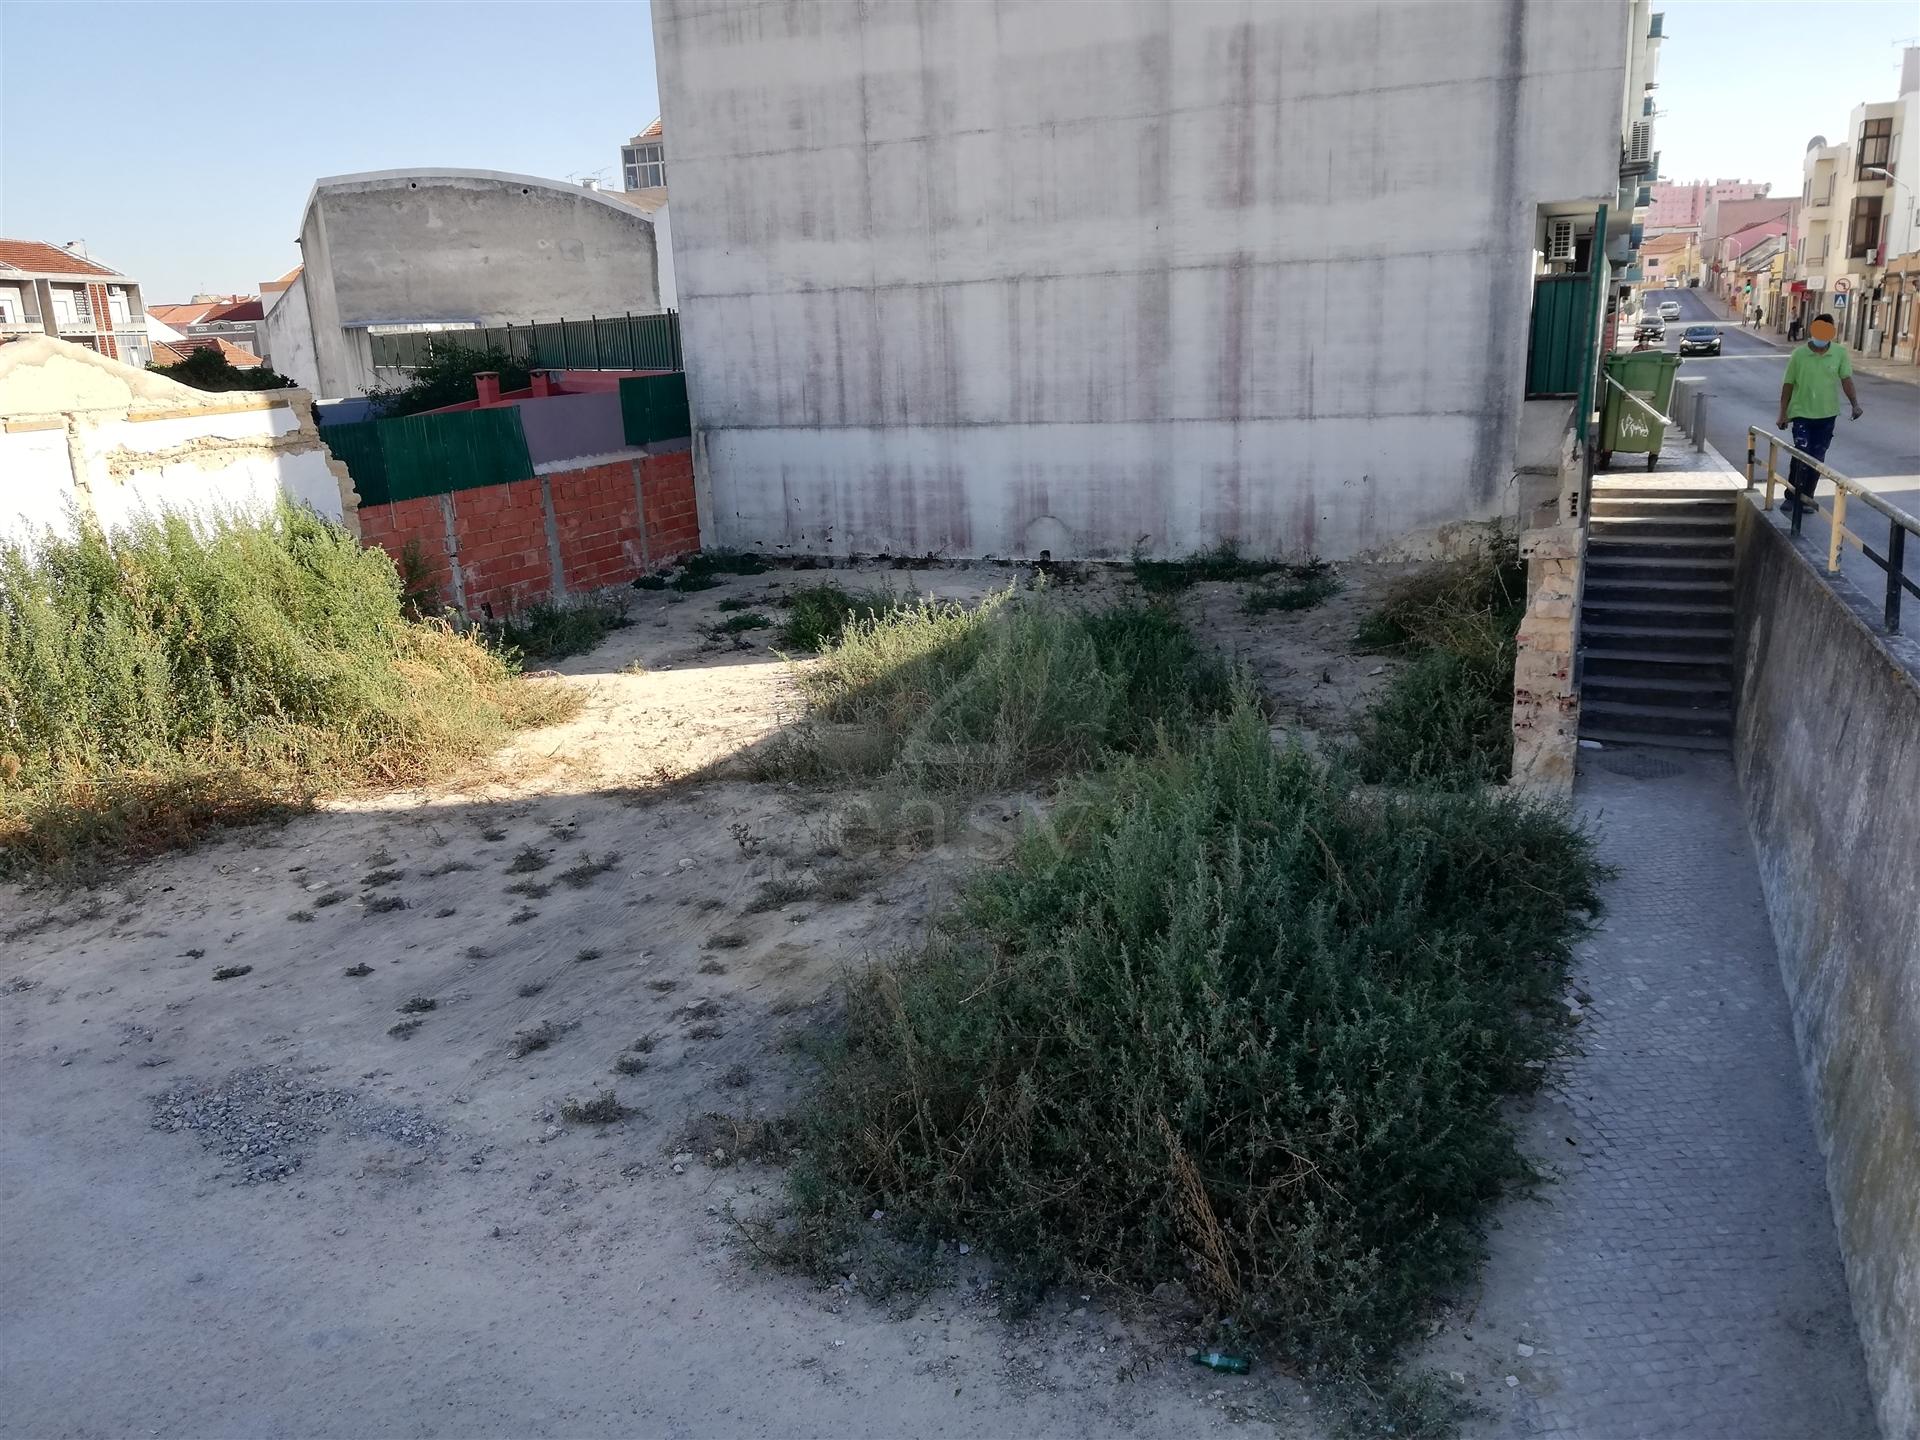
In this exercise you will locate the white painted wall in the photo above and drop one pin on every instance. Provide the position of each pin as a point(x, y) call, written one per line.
point(992, 279)
point(36, 484)
point(148, 466)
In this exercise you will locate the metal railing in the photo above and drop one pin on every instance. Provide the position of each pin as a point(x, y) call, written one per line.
point(621, 342)
point(1634, 400)
point(1845, 490)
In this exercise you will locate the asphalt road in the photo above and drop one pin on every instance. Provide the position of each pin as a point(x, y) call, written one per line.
point(1881, 449)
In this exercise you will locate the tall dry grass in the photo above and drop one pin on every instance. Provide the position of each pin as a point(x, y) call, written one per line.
point(187, 673)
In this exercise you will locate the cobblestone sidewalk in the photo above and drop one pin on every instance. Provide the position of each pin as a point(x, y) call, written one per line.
point(1682, 1280)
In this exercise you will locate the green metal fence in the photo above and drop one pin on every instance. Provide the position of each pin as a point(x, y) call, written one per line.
point(654, 407)
point(1557, 349)
point(357, 446)
point(421, 455)
point(621, 342)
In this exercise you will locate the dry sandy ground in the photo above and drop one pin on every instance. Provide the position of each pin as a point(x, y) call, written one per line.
point(249, 1207)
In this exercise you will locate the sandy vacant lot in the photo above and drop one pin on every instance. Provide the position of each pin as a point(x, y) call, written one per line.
point(271, 1204)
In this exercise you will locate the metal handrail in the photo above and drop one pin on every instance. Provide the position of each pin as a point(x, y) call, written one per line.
point(1899, 522)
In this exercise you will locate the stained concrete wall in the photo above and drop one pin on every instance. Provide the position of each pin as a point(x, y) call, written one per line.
point(997, 279)
point(398, 247)
point(290, 337)
point(83, 436)
point(1827, 749)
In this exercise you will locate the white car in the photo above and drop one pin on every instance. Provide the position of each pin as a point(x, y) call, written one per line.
point(1670, 310)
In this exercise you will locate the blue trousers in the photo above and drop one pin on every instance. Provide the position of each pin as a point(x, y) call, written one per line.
point(1812, 436)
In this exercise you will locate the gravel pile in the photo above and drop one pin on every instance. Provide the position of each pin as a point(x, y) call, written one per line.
point(266, 1120)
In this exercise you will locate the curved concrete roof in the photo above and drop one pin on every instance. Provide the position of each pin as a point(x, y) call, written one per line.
point(396, 179)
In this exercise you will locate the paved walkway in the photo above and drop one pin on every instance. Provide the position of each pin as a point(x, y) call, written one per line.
point(1682, 1280)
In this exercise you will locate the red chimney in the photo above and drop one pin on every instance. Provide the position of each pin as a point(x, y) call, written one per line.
point(486, 385)
point(542, 383)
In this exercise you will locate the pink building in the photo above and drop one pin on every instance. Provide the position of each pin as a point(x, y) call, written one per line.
point(1676, 207)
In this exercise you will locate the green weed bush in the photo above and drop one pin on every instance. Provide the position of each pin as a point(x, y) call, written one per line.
point(1227, 1019)
point(183, 674)
point(960, 699)
point(1446, 719)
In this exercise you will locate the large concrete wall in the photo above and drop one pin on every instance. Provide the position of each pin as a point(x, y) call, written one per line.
point(992, 279)
point(405, 247)
point(1827, 751)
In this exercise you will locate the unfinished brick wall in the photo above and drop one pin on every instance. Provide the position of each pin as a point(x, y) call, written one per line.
point(509, 539)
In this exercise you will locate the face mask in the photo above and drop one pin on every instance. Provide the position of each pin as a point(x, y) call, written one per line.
point(1819, 344)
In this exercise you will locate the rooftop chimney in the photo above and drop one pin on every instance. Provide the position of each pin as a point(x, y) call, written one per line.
point(486, 386)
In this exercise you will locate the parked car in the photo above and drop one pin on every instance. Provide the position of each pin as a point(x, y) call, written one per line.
point(1651, 328)
point(1699, 340)
point(1669, 309)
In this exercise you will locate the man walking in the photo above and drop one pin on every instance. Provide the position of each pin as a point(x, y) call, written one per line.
point(1810, 401)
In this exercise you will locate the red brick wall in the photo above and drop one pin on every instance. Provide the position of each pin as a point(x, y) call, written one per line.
point(501, 538)
point(501, 531)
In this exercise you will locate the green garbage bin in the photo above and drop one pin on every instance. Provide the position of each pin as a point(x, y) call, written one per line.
point(1626, 428)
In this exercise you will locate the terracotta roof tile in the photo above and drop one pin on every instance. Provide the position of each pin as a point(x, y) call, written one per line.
point(173, 353)
point(34, 255)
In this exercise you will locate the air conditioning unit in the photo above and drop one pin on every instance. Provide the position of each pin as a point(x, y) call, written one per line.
point(1559, 240)
point(1873, 257)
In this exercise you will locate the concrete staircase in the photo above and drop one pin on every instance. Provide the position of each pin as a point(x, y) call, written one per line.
point(1656, 620)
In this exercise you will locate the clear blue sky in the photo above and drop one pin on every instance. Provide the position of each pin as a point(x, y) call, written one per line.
point(1746, 83)
point(179, 141)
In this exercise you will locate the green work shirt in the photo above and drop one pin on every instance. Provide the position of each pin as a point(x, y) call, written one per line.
point(1816, 381)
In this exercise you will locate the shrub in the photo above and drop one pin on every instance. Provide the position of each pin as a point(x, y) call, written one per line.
point(1303, 587)
point(959, 699)
point(185, 674)
point(1446, 719)
point(207, 369)
point(819, 614)
point(1223, 562)
point(553, 630)
point(1226, 1020)
point(446, 378)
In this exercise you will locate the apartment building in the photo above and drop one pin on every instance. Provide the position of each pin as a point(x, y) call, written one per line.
point(49, 290)
point(1856, 208)
point(1680, 205)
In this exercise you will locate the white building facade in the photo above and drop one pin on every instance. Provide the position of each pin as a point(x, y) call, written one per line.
point(1025, 278)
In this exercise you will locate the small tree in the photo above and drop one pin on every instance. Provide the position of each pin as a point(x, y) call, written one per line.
point(446, 378)
point(207, 369)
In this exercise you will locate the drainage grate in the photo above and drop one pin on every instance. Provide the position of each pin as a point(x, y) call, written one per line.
point(1640, 765)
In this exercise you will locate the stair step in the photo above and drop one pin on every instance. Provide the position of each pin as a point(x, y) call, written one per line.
point(1605, 613)
point(1658, 690)
point(1662, 547)
point(1655, 502)
point(1607, 529)
point(1656, 719)
point(1628, 739)
point(1627, 660)
point(1707, 644)
point(1681, 592)
point(1619, 569)
point(1621, 488)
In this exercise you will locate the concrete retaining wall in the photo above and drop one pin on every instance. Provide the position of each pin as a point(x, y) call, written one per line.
point(1828, 756)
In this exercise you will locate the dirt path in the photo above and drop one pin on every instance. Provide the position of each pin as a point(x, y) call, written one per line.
point(253, 1206)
